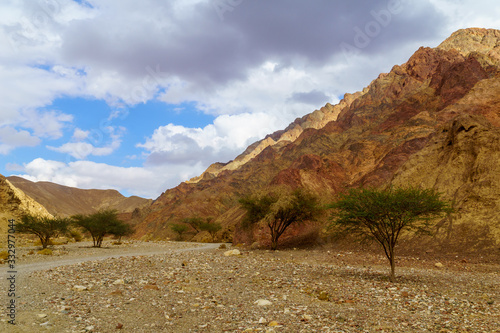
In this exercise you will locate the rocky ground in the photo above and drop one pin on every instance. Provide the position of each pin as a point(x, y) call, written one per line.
point(202, 290)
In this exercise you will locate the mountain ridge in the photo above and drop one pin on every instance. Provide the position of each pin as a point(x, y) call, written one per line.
point(64, 201)
point(377, 133)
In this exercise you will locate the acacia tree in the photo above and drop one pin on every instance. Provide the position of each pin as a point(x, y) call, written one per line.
point(383, 215)
point(100, 224)
point(211, 227)
point(280, 209)
point(44, 227)
point(194, 222)
point(179, 229)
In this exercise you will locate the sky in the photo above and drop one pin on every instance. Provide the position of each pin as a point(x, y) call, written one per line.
point(139, 96)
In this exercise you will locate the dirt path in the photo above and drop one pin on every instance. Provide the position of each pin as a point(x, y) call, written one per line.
point(75, 258)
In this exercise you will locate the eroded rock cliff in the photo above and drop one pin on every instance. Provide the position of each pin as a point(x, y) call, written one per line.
point(432, 121)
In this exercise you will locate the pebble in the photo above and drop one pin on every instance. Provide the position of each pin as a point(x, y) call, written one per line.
point(79, 288)
point(230, 253)
point(213, 294)
point(262, 302)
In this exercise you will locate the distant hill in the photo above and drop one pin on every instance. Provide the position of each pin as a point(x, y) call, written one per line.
point(433, 121)
point(66, 201)
point(13, 204)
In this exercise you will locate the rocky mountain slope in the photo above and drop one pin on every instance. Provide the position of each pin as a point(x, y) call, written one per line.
point(13, 204)
point(66, 201)
point(432, 121)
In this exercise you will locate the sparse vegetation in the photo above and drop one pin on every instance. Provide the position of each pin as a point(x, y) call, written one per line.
point(76, 235)
point(43, 227)
point(383, 215)
point(179, 229)
point(102, 223)
point(45, 252)
point(211, 227)
point(281, 208)
point(194, 222)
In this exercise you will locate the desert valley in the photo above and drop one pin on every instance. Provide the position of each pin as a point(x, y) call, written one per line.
point(432, 122)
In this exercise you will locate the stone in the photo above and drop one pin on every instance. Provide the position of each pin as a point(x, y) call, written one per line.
point(79, 288)
point(230, 253)
point(262, 302)
point(439, 265)
point(119, 281)
point(262, 320)
point(323, 296)
point(255, 246)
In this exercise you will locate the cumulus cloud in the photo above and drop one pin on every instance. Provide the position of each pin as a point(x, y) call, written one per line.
point(228, 136)
point(80, 134)
point(80, 149)
point(254, 65)
point(11, 138)
point(46, 124)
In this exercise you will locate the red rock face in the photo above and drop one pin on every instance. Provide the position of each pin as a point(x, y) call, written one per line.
point(377, 133)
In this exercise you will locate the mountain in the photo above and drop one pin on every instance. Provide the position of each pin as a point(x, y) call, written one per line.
point(13, 204)
point(66, 201)
point(433, 121)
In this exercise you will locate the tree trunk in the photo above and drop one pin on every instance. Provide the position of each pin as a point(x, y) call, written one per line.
point(392, 260)
point(45, 242)
point(393, 269)
point(274, 244)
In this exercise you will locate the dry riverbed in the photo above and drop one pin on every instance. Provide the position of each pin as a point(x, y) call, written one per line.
point(183, 287)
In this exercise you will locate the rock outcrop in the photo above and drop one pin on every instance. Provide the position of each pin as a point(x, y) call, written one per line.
point(432, 121)
point(13, 204)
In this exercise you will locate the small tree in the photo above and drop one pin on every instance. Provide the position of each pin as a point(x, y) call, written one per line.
point(100, 224)
point(211, 227)
point(194, 222)
point(280, 209)
point(122, 229)
point(44, 227)
point(179, 229)
point(383, 215)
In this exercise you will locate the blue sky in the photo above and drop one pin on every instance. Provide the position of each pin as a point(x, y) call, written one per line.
point(140, 96)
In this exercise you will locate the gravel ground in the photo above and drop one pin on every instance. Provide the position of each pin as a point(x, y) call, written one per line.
point(256, 291)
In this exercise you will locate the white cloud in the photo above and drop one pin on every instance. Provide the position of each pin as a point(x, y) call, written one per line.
point(256, 71)
point(11, 138)
point(81, 150)
point(469, 13)
point(80, 134)
point(46, 124)
point(267, 88)
point(24, 88)
point(228, 136)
